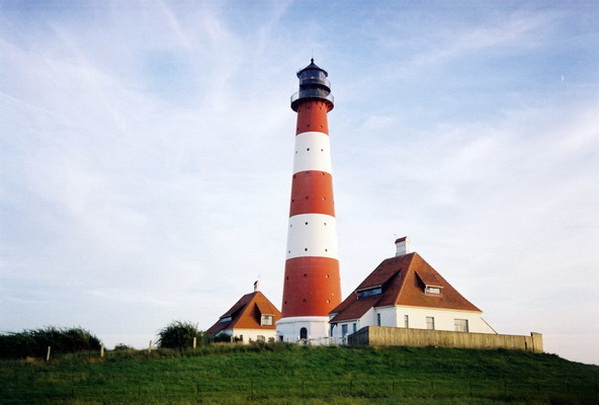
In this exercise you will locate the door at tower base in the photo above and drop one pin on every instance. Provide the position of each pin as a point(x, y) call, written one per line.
point(311, 330)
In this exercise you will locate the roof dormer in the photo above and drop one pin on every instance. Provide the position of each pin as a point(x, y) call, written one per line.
point(431, 284)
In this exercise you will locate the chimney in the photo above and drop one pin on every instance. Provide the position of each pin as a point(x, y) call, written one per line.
point(403, 246)
point(256, 285)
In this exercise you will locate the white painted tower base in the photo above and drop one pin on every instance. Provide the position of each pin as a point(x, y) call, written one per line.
point(317, 330)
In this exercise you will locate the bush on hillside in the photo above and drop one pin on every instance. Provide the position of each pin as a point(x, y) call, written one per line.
point(179, 335)
point(34, 343)
point(122, 347)
point(221, 338)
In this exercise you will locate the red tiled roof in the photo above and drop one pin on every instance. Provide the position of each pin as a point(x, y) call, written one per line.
point(403, 280)
point(246, 314)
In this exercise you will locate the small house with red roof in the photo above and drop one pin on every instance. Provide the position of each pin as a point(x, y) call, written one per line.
point(252, 318)
point(406, 292)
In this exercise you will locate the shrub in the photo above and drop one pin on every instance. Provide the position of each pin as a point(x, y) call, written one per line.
point(221, 338)
point(34, 343)
point(179, 335)
point(122, 347)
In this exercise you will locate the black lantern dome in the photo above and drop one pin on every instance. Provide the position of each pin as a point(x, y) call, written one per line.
point(313, 85)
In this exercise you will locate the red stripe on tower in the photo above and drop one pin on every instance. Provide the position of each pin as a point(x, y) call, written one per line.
point(312, 287)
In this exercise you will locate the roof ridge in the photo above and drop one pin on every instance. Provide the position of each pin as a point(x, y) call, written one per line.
point(405, 276)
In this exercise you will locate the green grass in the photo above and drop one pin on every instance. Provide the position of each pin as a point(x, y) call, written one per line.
point(289, 374)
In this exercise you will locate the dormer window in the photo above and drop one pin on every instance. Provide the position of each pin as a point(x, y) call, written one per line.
point(370, 292)
point(266, 320)
point(429, 289)
point(430, 282)
point(225, 319)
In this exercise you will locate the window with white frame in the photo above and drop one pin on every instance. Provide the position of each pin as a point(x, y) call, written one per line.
point(344, 330)
point(266, 320)
point(461, 325)
point(369, 292)
point(260, 338)
point(432, 290)
point(378, 319)
point(354, 327)
point(430, 323)
point(406, 321)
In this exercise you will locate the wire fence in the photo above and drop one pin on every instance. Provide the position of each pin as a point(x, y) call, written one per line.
point(257, 390)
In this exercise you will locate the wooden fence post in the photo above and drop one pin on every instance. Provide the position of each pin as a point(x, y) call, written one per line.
point(102, 350)
point(150, 346)
point(195, 342)
point(48, 353)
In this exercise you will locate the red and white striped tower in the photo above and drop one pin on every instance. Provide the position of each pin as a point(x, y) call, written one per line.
point(312, 287)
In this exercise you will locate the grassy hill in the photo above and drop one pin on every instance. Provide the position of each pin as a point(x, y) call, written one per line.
point(289, 374)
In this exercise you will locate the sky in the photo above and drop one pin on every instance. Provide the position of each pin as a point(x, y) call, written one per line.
point(146, 151)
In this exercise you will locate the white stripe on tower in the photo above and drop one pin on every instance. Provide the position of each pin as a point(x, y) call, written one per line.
point(312, 152)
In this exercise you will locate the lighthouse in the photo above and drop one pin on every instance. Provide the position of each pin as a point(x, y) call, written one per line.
point(312, 286)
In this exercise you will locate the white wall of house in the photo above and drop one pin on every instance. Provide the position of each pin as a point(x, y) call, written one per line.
point(443, 319)
point(251, 335)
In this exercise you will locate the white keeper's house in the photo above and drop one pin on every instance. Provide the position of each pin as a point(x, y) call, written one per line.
point(252, 318)
point(406, 292)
